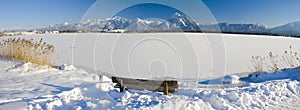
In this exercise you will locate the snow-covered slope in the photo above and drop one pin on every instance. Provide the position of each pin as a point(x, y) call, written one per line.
point(184, 22)
point(15, 29)
point(176, 22)
point(26, 86)
point(245, 28)
point(61, 27)
point(288, 29)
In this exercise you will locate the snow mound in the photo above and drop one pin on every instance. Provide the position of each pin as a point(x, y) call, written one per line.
point(105, 79)
point(64, 90)
point(229, 79)
point(103, 96)
point(253, 96)
point(104, 87)
point(28, 67)
point(67, 67)
point(56, 101)
point(291, 73)
point(232, 79)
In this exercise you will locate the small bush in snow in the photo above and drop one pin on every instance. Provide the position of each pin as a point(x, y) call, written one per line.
point(257, 63)
point(291, 58)
point(271, 62)
point(39, 52)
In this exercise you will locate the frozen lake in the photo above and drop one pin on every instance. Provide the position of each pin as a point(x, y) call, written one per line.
point(160, 55)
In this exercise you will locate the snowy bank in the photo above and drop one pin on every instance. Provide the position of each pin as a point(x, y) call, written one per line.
point(26, 86)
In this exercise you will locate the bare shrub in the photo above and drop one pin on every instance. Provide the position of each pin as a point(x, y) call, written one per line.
point(257, 63)
point(271, 62)
point(291, 58)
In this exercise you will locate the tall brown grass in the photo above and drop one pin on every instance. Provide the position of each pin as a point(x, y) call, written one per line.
point(19, 49)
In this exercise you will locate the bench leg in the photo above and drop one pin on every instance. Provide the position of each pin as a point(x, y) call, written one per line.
point(166, 89)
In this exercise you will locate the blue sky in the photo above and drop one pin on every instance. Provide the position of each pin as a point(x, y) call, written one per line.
point(268, 12)
point(41, 13)
point(151, 10)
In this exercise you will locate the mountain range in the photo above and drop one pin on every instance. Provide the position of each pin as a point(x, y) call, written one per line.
point(176, 22)
point(15, 29)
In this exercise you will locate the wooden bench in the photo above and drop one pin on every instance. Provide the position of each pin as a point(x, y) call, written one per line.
point(166, 86)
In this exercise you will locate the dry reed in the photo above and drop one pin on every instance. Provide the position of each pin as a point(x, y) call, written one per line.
point(271, 62)
point(19, 49)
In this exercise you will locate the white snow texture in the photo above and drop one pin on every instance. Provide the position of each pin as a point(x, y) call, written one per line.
point(27, 86)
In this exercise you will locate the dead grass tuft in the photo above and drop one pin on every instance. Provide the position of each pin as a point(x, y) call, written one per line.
point(19, 49)
point(271, 62)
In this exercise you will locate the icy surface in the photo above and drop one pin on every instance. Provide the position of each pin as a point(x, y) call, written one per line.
point(27, 86)
point(201, 54)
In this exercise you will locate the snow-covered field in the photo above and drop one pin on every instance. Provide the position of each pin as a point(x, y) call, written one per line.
point(26, 86)
point(179, 55)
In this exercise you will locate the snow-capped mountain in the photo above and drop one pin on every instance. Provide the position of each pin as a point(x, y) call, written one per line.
point(101, 24)
point(117, 22)
point(244, 28)
point(287, 29)
point(225, 27)
point(145, 24)
point(15, 29)
point(61, 27)
point(184, 22)
point(176, 22)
